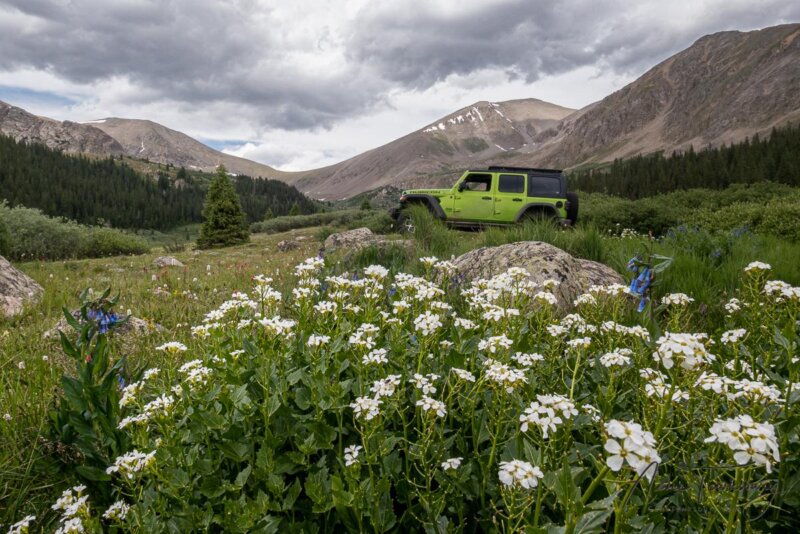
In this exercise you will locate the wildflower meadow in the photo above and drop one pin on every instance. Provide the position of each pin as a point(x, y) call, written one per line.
point(378, 401)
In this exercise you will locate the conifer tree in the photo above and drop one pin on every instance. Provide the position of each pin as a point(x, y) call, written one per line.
point(224, 222)
point(295, 209)
point(365, 205)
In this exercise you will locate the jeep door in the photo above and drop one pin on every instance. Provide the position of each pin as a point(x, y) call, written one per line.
point(474, 197)
point(510, 196)
point(549, 190)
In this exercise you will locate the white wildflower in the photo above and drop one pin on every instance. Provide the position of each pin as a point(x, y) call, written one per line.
point(519, 474)
point(366, 408)
point(432, 406)
point(172, 347)
point(117, 511)
point(451, 463)
point(629, 443)
point(351, 454)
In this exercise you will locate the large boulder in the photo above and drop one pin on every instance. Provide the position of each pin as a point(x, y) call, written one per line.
point(16, 289)
point(543, 262)
point(167, 261)
point(351, 239)
point(287, 245)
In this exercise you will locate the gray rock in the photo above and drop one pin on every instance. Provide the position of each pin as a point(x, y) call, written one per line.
point(351, 239)
point(355, 240)
point(543, 261)
point(167, 261)
point(288, 244)
point(16, 289)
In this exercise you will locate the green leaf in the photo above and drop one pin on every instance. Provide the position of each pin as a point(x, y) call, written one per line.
point(302, 397)
point(340, 496)
point(318, 489)
point(235, 450)
point(564, 486)
point(92, 473)
point(71, 320)
point(244, 474)
point(177, 477)
point(291, 495)
point(239, 397)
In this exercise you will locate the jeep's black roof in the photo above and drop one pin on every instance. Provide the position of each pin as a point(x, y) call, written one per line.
point(498, 168)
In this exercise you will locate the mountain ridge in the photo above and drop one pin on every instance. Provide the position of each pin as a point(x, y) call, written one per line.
point(725, 87)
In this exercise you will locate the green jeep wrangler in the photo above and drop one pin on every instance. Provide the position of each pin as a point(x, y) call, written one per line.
point(495, 196)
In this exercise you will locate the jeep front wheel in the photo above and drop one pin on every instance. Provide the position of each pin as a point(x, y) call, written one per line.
point(405, 224)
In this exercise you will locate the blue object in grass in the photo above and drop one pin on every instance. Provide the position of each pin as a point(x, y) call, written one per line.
point(105, 321)
point(640, 284)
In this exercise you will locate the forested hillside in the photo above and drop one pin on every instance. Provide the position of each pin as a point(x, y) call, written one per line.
point(100, 191)
point(775, 158)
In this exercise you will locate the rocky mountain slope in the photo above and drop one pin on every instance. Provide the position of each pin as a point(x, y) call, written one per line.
point(67, 136)
point(136, 138)
point(725, 87)
point(482, 130)
point(149, 140)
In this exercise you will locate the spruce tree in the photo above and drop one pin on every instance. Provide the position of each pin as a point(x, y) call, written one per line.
point(295, 209)
point(224, 222)
point(365, 205)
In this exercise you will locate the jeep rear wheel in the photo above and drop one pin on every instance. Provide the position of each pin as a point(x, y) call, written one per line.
point(539, 215)
point(572, 208)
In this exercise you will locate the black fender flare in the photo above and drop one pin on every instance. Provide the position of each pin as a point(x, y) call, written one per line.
point(538, 206)
point(429, 201)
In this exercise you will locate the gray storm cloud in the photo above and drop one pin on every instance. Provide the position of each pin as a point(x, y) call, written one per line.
point(299, 74)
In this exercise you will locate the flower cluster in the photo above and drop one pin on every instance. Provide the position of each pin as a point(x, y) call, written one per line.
point(628, 443)
point(519, 474)
point(689, 349)
point(751, 442)
point(544, 413)
point(132, 464)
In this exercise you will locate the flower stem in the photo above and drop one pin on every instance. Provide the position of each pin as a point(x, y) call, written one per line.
point(593, 486)
point(730, 524)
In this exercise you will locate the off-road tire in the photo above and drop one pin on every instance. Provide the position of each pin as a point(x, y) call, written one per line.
point(405, 224)
point(572, 212)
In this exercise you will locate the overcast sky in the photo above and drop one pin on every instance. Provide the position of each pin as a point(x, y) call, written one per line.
point(299, 84)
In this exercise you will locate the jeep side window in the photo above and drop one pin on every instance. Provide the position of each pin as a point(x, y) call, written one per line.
point(477, 182)
point(511, 183)
point(543, 185)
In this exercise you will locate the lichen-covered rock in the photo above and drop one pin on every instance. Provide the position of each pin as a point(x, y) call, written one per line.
point(16, 289)
point(288, 244)
point(352, 239)
point(598, 274)
point(167, 261)
point(134, 326)
point(543, 262)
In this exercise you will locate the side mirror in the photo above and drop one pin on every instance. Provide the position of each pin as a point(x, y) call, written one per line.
point(462, 186)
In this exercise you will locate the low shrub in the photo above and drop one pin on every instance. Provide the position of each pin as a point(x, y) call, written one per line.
point(766, 208)
point(37, 236)
point(347, 218)
point(5, 239)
